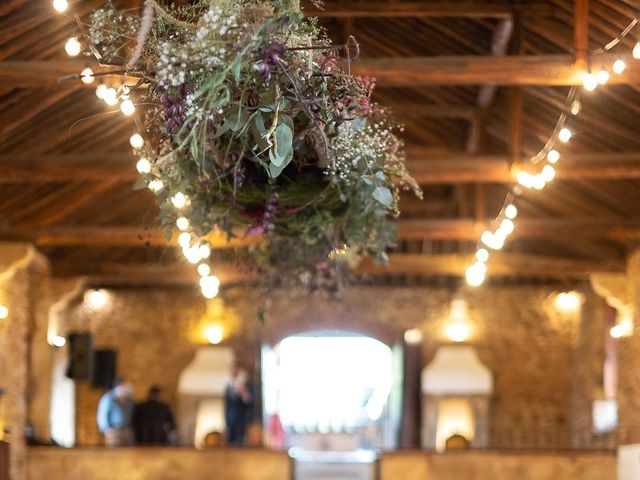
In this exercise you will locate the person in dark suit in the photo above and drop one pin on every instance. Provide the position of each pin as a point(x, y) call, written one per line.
point(238, 407)
point(152, 420)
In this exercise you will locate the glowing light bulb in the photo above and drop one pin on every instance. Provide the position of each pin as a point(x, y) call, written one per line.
point(511, 211)
point(210, 281)
point(619, 66)
point(548, 173)
point(182, 223)
point(101, 91)
point(87, 77)
point(4, 312)
point(553, 156)
point(568, 302)
point(458, 331)
point(636, 51)
point(475, 274)
point(589, 82)
point(603, 76)
point(192, 254)
point(482, 255)
point(179, 200)
point(525, 179)
point(413, 336)
point(486, 237)
point(127, 107)
point(209, 285)
point(204, 270)
point(184, 239)
point(507, 226)
point(60, 6)
point(59, 341)
point(143, 166)
point(155, 185)
point(564, 135)
point(576, 106)
point(213, 334)
point(136, 140)
point(96, 299)
point(72, 47)
point(110, 97)
point(539, 182)
point(205, 251)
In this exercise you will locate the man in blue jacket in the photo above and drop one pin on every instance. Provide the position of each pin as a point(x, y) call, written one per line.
point(114, 414)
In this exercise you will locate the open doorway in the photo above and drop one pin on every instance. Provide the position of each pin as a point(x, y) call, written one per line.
point(332, 392)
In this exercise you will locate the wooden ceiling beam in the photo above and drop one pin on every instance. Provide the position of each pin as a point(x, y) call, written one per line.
point(426, 10)
point(539, 228)
point(462, 168)
point(108, 236)
point(502, 265)
point(426, 166)
point(581, 32)
point(499, 265)
point(17, 168)
point(554, 70)
point(431, 229)
point(389, 71)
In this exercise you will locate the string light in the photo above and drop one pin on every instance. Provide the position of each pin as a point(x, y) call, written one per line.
point(603, 76)
point(210, 286)
point(4, 312)
point(110, 97)
point(511, 211)
point(155, 185)
point(553, 156)
point(179, 200)
point(619, 66)
point(60, 6)
point(507, 226)
point(564, 135)
point(184, 239)
point(576, 106)
point(204, 269)
point(589, 82)
point(72, 47)
point(101, 91)
point(87, 77)
point(538, 182)
point(205, 251)
point(182, 223)
point(136, 140)
point(476, 273)
point(192, 254)
point(127, 107)
point(59, 341)
point(143, 166)
point(548, 173)
point(482, 255)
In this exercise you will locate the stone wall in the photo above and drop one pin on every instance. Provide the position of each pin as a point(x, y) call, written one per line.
point(547, 366)
point(412, 465)
point(629, 362)
point(156, 464)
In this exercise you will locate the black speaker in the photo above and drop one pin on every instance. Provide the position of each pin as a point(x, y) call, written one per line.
point(80, 356)
point(104, 368)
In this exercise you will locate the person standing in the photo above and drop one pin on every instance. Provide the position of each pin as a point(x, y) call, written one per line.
point(152, 420)
point(238, 407)
point(114, 414)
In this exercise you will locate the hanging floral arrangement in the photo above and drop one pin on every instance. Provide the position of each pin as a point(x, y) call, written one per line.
point(253, 126)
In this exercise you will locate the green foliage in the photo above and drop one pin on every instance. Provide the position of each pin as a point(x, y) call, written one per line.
point(251, 117)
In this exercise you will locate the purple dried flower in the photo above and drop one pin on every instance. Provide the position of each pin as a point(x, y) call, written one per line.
point(270, 58)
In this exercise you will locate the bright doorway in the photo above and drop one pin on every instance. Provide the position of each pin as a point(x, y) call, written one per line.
point(332, 392)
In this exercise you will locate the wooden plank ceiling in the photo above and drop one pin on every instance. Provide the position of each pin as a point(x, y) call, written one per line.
point(478, 84)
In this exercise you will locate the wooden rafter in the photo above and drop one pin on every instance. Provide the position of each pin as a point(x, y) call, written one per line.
point(389, 71)
point(581, 32)
point(500, 265)
point(427, 167)
point(426, 10)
